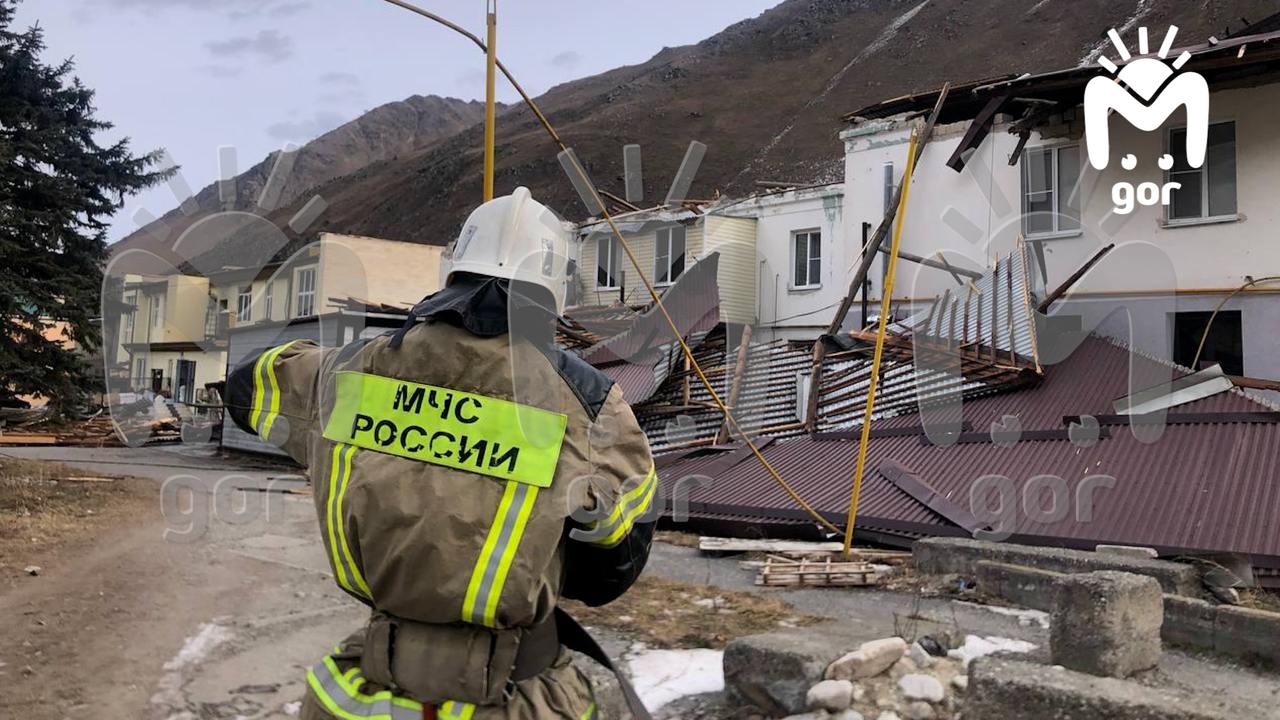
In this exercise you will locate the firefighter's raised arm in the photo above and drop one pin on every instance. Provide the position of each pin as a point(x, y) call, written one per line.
point(606, 554)
point(273, 394)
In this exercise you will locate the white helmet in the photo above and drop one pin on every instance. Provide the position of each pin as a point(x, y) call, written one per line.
point(517, 238)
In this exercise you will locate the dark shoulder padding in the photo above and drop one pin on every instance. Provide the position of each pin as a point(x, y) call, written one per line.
point(589, 384)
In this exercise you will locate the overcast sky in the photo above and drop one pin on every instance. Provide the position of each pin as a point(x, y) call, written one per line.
point(193, 75)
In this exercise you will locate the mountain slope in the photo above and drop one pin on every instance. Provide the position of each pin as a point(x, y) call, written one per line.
point(382, 134)
point(765, 95)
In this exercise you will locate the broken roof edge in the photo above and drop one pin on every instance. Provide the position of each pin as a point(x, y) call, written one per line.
point(1186, 371)
point(972, 91)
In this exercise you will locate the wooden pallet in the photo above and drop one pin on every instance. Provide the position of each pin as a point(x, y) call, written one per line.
point(826, 572)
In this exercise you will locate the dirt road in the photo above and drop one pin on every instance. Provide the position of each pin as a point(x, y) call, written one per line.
point(209, 613)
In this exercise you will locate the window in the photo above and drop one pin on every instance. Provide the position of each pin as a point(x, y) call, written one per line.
point(669, 253)
point(130, 301)
point(1050, 204)
point(1224, 345)
point(269, 302)
point(806, 259)
point(607, 264)
point(157, 312)
point(244, 304)
point(211, 317)
point(1210, 190)
point(305, 282)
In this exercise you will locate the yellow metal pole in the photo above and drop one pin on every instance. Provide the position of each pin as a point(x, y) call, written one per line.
point(886, 296)
point(491, 65)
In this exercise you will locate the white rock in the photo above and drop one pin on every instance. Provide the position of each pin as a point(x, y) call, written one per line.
point(905, 666)
point(920, 711)
point(919, 656)
point(832, 695)
point(817, 715)
point(869, 660)
point(847, 715)
point(961, 682)
point(922, 687)
point(888, 716)
point(32, 569)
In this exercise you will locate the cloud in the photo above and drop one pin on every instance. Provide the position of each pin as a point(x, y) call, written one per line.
point(340, 78)
point(268, 44)
point(304, 129)
point(566, 59)
point(222, 72)
point(471, 79)
point(235, 9)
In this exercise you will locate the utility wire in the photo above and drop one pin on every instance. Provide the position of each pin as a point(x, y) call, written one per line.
point(626, 247)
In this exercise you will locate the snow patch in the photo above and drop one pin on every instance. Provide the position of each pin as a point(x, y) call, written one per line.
point(976, 647)
point(198, 646)
point(1144, 7)
point(661, 676)
point(1026, 618)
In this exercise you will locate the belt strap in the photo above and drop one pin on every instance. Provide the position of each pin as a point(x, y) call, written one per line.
point(538, 650)
point(575, 637)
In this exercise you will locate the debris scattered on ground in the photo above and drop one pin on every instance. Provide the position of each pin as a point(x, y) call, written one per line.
point(32, 569)
point(667, 614)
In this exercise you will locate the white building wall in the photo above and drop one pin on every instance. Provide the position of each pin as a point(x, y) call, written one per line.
point(787, 311)
point(1156, 269)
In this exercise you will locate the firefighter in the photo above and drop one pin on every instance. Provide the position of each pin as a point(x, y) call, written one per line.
point(468, 474)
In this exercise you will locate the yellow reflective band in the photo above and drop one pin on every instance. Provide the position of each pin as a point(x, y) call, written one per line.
point(631, 506)
point(480, 605)
point(341, 696)
point(273, 410)
point(456, 711)
point(258, 391)
point(335, 556)
point(339, 516)
point(464, 431)
point(508, 553)
point(344, 566)
point(590, 713)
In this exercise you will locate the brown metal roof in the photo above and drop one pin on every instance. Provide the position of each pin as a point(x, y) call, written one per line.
point(1208, 486)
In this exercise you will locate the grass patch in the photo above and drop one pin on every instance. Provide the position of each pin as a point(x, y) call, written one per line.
point(668, 614)
point(43, 507)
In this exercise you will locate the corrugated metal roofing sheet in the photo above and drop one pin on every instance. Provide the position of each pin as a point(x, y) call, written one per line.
point(1209, 486)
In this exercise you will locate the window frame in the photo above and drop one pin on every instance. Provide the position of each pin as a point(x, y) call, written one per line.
point(670, 256)
point(156, 321)
point(1054, 150)
point(812, 233)
point(268, 301)
point(1203, 171)
point(130, 316)
point(299, 293)
point(244, 304)
point(611, 270)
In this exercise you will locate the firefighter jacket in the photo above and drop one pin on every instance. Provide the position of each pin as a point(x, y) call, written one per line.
point(465, 480)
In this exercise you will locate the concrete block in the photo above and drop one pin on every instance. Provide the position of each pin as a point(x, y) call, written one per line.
point(1003, 689)
point(1026, 586)
point(961, 556)
point(773, 672)
point(1188, 621)
point(1133, 551)
point(1106, 623)
point(1247, 633)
